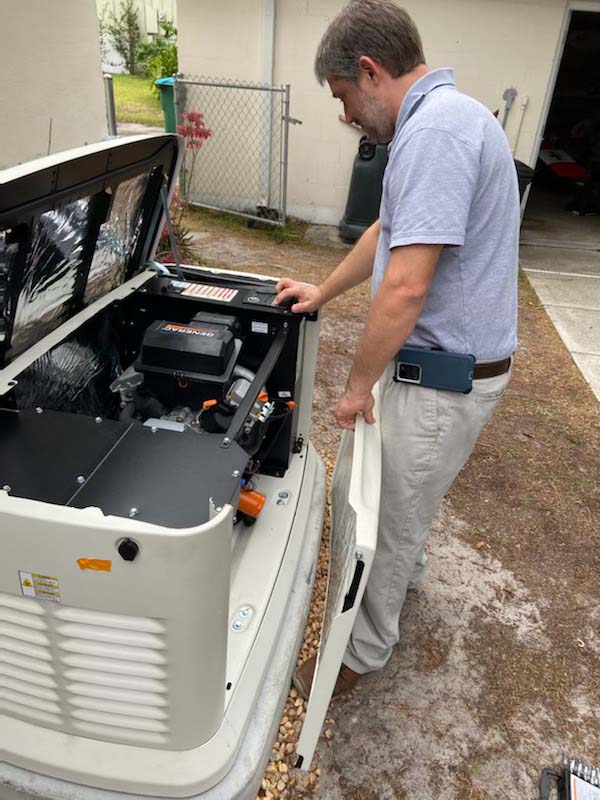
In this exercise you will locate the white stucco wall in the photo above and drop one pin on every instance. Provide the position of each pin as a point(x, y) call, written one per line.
point(220, 39)
point(51, 92)
point(492, 45)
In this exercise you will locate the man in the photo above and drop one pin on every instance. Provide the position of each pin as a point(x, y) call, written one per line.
point(443, 261)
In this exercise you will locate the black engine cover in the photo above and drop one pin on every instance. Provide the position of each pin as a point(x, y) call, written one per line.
point(198, 350)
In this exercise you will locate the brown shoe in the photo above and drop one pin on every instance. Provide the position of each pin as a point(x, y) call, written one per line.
point(303, 678)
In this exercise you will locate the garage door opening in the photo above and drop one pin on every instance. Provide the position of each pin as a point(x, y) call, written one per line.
point(564, 202)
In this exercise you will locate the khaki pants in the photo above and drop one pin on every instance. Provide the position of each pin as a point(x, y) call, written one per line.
point(428, 436)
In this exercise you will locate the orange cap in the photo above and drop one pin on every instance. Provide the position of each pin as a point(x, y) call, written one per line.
point(209, 403)
point(251, 503)
point(263, 397)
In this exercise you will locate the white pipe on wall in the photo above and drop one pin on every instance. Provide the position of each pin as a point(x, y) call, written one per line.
point(268, 59)
point(524, 104)
point(267, 74)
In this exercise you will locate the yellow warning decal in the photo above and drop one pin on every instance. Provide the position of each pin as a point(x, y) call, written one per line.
point(42, 586)
point(97, 564)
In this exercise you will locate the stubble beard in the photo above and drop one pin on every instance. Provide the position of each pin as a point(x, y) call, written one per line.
point(376, 121)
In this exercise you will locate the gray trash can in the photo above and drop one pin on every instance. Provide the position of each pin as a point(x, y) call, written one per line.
point(364, 195)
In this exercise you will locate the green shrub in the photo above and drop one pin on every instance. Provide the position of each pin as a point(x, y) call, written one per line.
point(159, 57)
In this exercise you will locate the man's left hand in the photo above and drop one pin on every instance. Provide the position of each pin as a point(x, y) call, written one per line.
point(352, 403)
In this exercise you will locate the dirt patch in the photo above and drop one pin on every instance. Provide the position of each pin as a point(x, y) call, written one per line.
point(496, 674)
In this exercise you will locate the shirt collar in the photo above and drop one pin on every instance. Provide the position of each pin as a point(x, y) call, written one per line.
point(430, 81)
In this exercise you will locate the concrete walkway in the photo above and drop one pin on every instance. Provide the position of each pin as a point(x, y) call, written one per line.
point(560, 254)
point(136, 129)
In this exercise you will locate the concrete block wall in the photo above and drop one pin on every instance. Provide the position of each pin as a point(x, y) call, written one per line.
point(492, 45)
point(51, 93)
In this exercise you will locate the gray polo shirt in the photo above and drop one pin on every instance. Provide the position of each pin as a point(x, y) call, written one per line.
point(451, 180)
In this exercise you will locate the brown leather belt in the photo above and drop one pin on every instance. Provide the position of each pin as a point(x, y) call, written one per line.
point(491, 369)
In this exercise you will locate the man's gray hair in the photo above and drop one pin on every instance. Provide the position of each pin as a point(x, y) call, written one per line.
point(379, 29)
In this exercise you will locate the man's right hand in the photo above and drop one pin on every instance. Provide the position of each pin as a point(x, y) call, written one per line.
point(308, 297)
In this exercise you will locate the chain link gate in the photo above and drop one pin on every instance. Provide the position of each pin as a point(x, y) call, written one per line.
point(236, 153)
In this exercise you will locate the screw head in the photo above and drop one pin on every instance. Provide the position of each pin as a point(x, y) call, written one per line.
point(133, 511)
point(6, 488)
point(80, 479)
point(98, 420)
point(39, 410)
point(245, 612)
point(226, 440)
point(235, 473)
point(154, 429)
point(237, 625)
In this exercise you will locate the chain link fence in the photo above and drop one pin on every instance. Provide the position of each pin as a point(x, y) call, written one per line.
point(236, 146)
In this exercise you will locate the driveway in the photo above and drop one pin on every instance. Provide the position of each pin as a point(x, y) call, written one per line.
point(560, 254)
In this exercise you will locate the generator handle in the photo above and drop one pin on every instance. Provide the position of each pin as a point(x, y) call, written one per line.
point(260, 379)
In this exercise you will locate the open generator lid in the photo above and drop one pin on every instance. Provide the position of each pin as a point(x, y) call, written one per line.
point(76, 225)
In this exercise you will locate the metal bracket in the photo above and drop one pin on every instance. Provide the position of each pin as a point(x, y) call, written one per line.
point(265, 369)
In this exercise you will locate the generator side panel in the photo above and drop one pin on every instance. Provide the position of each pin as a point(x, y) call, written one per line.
point(119, 644)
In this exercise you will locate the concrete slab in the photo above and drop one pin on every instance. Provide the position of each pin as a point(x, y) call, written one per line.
point(590, 369)
point(589, 366)
point(136, 129)
point(560, 260)
point(567, 282)
point(532, 241)
point(546, 218)
point(567, 291)
point(578, 328)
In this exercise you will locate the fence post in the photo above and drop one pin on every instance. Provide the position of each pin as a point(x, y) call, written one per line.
point(284, 166)
point(111, 117)
point(178, 120)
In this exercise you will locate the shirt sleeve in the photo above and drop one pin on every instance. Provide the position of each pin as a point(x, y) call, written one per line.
point(431, 185)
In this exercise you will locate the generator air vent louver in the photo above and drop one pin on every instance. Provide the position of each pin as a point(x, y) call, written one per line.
point(28, 687)
point(87, 672)
point(115, 675)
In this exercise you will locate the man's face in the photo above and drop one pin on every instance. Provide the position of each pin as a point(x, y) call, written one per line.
point(364, 106)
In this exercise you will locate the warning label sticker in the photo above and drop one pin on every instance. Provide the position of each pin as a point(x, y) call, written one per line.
point(206, 292)
point(40, 586)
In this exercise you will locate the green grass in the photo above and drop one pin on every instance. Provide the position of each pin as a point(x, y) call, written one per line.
point(135, 101)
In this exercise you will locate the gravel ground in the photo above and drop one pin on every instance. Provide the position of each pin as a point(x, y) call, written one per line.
point(496, 674)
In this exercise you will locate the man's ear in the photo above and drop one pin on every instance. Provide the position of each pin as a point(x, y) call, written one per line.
point(370, 69)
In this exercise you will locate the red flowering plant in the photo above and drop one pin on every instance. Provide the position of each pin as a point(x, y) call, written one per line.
point(195, 133)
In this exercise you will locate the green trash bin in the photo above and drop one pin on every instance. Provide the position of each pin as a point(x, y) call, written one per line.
point(165, 86)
